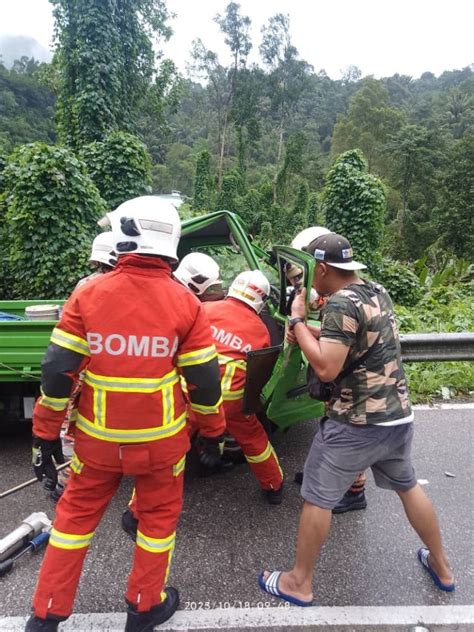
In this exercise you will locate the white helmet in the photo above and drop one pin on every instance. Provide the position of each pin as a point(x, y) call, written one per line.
point(251, 287)
point(306, 236)
point(103, 250)
point(198, 272)
point(146, 225)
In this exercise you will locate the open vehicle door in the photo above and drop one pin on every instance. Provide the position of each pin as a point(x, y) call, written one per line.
point(223, 236)
point(283, 370)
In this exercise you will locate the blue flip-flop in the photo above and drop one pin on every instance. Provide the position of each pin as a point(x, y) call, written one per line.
point(270, 586)
point(423, 557)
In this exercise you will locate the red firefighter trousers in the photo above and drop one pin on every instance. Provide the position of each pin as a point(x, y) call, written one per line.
point(252, 438)
point(89, 491)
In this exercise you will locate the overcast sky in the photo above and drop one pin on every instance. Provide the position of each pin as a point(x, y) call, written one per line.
point(381, 37)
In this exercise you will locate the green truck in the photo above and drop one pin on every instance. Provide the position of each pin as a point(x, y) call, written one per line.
point(273, 374)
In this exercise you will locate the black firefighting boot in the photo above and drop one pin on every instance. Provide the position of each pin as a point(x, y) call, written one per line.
point(130, 524)
point(35, 624)
point(146, 621)
point(351, 501)
point(274, 496)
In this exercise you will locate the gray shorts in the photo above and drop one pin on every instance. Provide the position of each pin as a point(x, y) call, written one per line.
point(340, 451)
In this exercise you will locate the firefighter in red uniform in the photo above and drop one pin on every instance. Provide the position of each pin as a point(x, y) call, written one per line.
point(237, 329)
point(131, 415)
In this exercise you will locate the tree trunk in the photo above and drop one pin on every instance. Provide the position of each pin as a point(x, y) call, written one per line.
point(280, 147)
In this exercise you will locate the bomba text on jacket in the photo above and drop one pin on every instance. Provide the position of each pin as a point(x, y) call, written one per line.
point(131, 345)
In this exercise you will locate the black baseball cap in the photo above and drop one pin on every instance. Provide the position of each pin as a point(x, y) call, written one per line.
point(335, 250)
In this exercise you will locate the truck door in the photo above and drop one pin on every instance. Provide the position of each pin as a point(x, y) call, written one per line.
point(280, 372)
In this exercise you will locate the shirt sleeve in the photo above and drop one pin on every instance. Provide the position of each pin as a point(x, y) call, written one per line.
point(340, 321)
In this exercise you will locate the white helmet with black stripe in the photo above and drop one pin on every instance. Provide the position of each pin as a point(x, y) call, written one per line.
point(145, 225)
point(103, 250)
point(198, 272)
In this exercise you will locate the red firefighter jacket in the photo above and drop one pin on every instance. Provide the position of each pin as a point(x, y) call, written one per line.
point(130, 331)
point(236, 330)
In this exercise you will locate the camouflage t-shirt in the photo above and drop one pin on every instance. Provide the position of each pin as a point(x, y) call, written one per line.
point(358, 316)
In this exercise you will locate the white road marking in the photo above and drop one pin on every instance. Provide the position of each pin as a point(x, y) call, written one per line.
point(453, 406)
point(312, 618)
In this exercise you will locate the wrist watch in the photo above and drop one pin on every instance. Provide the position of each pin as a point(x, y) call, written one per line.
point(294, 321)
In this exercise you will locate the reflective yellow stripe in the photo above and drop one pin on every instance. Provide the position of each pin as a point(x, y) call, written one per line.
point(68, 341)
point(263, 456)
point(179, 466)
point(229, 396)
point(99, 407)
point(266, 454)
point(53, 403)
point(76, 464)
point(131, 436)
point(129, 384)
point(168, 405)
point(227, 378)
point(223, 359)
point(207, 410)
point(277, 462)
point(231, 365)
point(155, 545)
point(69, 540)
point(197, 357)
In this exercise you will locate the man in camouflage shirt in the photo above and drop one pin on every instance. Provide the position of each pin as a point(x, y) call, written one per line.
point(368, 421)
point(361, 317)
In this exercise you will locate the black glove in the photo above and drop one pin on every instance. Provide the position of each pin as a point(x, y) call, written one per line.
point(43, 465)
point(210, 450)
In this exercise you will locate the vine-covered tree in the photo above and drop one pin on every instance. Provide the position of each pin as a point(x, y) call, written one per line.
point(51, 208)
point(106, 62)
point(203, 189)
point(120, 166)
point(354, 205)
point(300, 211)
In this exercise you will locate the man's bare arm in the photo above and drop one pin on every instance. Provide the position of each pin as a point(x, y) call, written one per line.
point(326, 358)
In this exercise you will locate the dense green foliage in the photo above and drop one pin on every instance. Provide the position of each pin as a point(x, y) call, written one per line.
point(455, 217)
point(203, 188)
point(50, 206)
point(26, 106)
point(120, 166)
point(443, 309)
point(354, 206)
point(389, 162)
point(402, 283)
point(106, 64)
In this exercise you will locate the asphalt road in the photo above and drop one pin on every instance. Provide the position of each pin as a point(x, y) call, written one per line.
point(228, 533)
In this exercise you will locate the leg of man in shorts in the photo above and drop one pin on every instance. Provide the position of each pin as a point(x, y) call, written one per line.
point(339, 452)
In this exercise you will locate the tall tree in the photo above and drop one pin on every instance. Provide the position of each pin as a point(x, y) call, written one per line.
point(203, 183)
point(236, 30)
point(354, 205)
point(287, 76)
point(368, 125)
point(106, 60)
point(454, 218)
point(412, 156)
